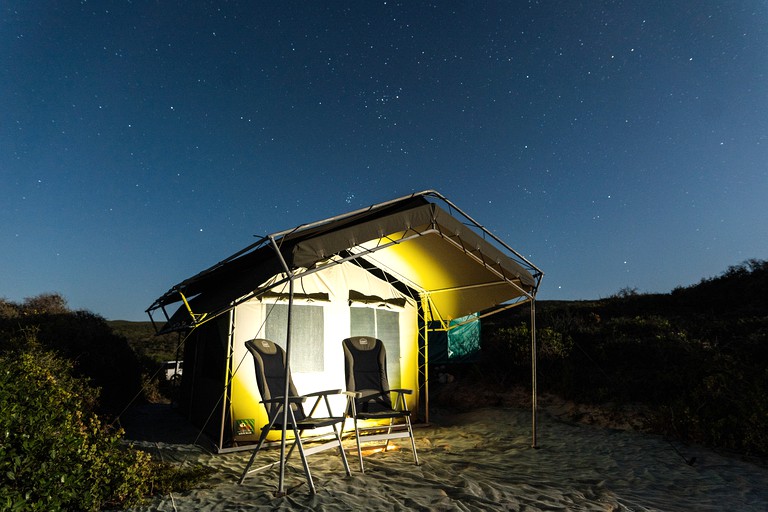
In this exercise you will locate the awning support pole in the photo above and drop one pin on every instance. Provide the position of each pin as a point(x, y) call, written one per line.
point(534, 404)
point(286, 387)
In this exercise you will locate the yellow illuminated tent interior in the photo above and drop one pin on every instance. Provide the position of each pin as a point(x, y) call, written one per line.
point(395, 270)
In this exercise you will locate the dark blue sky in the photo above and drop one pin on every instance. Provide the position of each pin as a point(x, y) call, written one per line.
point(615, 144)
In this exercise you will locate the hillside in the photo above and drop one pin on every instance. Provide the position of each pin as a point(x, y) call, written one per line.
point(147, 346)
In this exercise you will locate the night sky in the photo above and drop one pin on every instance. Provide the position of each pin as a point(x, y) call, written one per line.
point(615, 144)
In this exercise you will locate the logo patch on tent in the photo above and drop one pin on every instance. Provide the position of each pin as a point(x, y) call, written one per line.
point(245, 427)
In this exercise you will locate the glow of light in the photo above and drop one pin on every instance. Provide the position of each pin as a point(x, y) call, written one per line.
point(378, 449)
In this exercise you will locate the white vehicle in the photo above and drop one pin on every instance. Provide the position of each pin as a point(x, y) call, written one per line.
point(172, 370)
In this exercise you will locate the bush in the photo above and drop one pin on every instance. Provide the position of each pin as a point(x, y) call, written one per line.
point(507, 352)
point(55, 454)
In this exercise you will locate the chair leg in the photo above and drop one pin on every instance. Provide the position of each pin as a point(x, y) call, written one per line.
point(359, 450)
point(262, 438)
point(298, 443)
point(389, 432)
point(341, 450)
point(290, 451)
point(413, 442)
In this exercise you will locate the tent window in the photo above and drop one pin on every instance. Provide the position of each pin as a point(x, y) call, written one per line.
point(383, 324)
point(307, 335)
point(363, 322)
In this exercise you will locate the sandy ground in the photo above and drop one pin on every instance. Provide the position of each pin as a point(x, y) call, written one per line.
point(473, 460)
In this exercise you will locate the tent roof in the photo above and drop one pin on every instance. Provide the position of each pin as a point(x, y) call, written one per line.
point(450, 260)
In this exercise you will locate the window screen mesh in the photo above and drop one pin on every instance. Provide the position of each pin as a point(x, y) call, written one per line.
point(307, 335)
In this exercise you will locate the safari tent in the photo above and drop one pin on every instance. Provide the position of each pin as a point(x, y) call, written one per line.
point(400, 271)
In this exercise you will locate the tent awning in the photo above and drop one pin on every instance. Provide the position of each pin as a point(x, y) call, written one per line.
point(446, 257)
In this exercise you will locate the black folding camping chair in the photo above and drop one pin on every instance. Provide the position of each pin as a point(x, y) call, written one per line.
point(365, 368)
point(271, 367)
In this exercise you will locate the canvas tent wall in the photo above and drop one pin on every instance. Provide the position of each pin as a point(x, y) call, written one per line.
point(419, 255)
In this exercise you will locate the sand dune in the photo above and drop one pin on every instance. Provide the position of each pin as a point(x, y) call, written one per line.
point(478, 460)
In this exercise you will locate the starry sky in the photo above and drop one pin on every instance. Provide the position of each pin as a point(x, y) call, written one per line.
point(617, 144)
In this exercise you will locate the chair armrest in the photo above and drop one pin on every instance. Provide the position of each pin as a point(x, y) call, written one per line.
point(353, 394)
point(369, 393)
point(398, 390)
point(324, 393)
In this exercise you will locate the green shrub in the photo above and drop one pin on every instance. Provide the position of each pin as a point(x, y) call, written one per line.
point(55, 454)
point(728, 406)
point(507, 352)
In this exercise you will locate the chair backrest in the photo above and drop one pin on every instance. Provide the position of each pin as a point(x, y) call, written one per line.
point(365, 369)
point(270, 365)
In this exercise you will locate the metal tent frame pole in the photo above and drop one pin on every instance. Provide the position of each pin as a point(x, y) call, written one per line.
point(534, 404)
point(286, 386)
point(423, 350)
